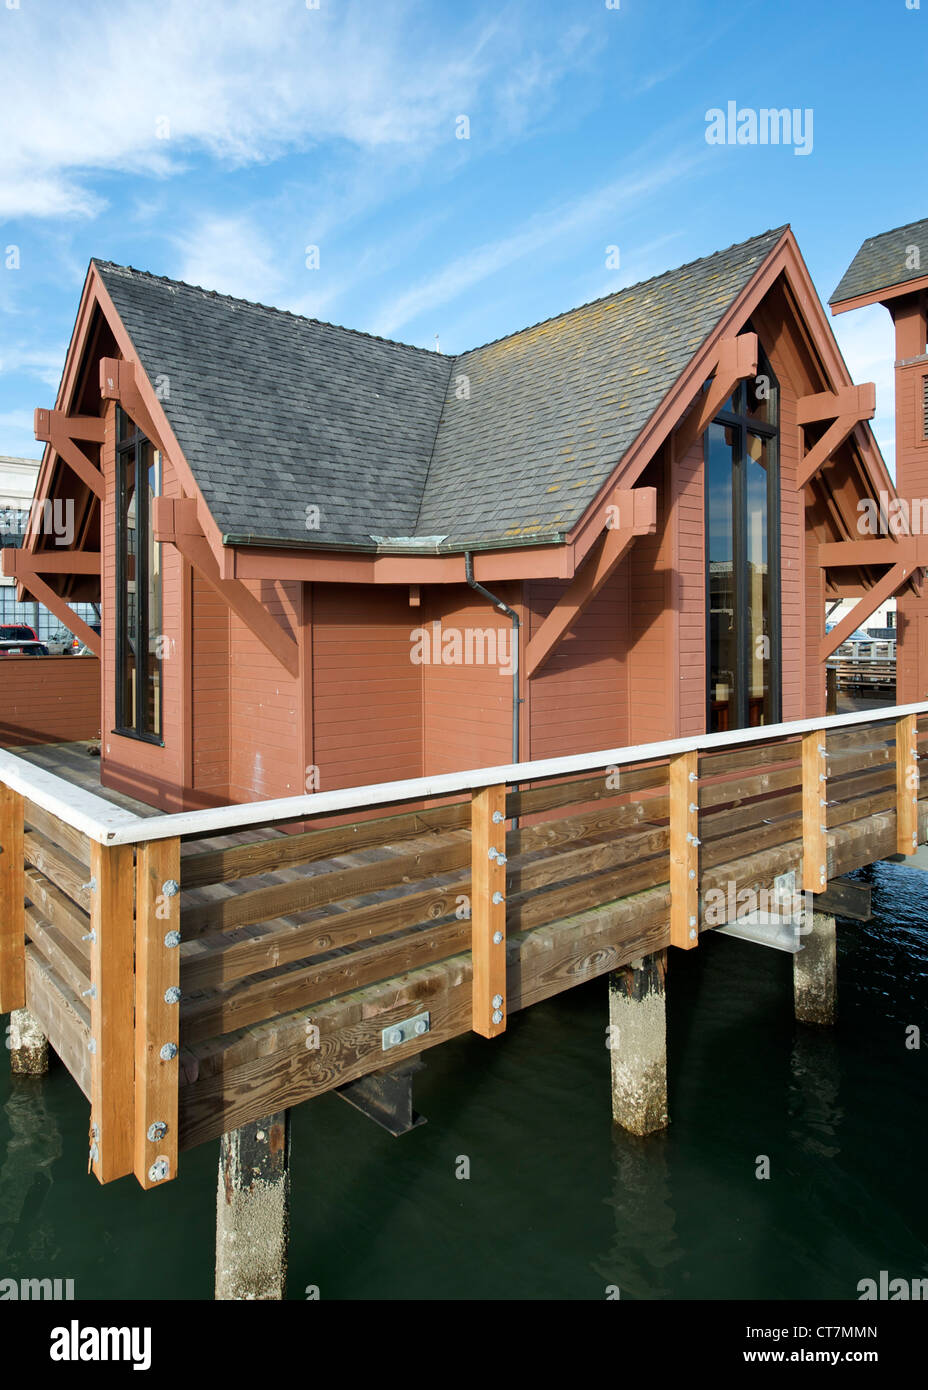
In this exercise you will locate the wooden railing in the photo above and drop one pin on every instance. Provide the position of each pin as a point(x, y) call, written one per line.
point(150, 951)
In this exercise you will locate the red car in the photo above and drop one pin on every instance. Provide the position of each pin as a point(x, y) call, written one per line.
point(22, 639)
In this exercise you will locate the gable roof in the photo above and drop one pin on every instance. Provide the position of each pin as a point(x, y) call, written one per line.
point(881, 262)
point(506, 444)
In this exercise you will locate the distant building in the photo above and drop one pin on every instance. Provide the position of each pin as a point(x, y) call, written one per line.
point(17, 489)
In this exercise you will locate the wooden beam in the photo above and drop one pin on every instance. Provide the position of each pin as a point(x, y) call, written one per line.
point(636, 515)
point(55, 604)
point(119, 382)
point(112, 1000)
point(737, 359)
point(844, 897)
point(859, 401)
point(877, 594)
point(18, 564)
point(157, 1011)
point(488, 910)
point(12, 905)
point(684, 850)
point(906, 785)
point(175, 522)
point(814, 783)
point(54, 427)
point(875, 551)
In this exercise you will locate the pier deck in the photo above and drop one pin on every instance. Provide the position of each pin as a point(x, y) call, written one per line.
point(280, 966)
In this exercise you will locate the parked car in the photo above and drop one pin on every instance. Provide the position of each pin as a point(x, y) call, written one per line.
point(12, 634)
point(23, 649)
point(63, 643)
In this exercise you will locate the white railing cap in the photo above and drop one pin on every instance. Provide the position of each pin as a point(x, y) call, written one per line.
point(112, 825)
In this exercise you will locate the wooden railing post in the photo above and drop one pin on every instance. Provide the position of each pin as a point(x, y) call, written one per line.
point(814, 802)
point(12, 904)
point(157, 1010)
point(684, 850)
point(112, 1000)
point(488, 910)
point(906, 785)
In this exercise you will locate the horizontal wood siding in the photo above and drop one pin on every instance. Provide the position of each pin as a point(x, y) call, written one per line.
point(689, 589)
point(265, 738)
point(578, 701)
point(48, 699)
point(366, 691)
point(652, 659)
point(209, 689)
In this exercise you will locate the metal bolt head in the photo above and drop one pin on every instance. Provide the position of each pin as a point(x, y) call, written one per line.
point(396, 1037)
point(693, 934)
point(172, 939)
point(157, 1131)
point(497, 899)
point(168, 1052)
point(172, 994)
point(170, 888)
point(421, 1027)
point(498, 817)
point(497, 1016)
point(497, 938)
point(159, 1170)
point(497, 1001)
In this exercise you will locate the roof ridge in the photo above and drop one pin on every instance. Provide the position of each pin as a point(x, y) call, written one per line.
point(268, 308)
point(891, 231)
point(626, 289)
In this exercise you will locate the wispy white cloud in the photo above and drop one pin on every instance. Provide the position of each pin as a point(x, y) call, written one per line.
point(142, 88)
point(867, 342)
point(539, 233)
point(232, 255)
point(45, 364)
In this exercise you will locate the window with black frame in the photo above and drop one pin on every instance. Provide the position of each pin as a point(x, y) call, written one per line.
point(743, 557)
point(138, 585)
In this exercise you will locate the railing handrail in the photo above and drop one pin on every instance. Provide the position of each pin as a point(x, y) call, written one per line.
point(100, 820)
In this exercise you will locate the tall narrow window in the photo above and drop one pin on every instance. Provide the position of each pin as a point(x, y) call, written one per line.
point(138, 585)
point(742, 558)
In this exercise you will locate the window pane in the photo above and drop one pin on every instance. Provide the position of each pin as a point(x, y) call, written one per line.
point(151, 463)
point(758, 587)
point(128, 535)
point(722, 650)
point(761, 398)
point(125, 428)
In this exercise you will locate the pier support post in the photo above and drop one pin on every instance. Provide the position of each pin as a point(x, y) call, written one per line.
point(28, 1045)
point(253, 1210)
point(638, 1044)
point(815, 974)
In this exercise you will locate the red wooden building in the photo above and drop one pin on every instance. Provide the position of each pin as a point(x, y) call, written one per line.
point(325, 559)
point(892, 269)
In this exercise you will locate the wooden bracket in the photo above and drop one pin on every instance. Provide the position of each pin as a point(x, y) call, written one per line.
point(488, 910)
point(846, 408)
point(684, 850)
point(119, 382)
point(112, 1001)
point(883, 589)
point(632, 512)
point(737, 359)
point(814, 802)
point(12, 904)
point(906, 785)
point(18, 565)
point(157, 1011)
point(61, 431)
point(175, 522)
point(22, 564)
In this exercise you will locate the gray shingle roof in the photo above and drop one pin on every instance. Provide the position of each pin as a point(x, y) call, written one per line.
point(506, 444)
point(885, 261)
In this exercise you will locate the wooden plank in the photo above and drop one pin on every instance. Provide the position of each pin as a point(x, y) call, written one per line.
point(578, 792)
point(279, 851)
point(58, 833)
point(684, 851)
point(58, 951)
point(111, 1011)
point(56, 907)
point(750, 759)
point(157, 1011)
point(12, 903)
point(490, 1004)
point(814, 794)
point(58, 865)
point(62, 1014)
point(262, 903)
point(906, 785)
point(845, 897)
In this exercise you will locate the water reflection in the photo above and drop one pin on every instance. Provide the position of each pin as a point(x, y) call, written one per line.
point(645, 1242)
point(33, 1145)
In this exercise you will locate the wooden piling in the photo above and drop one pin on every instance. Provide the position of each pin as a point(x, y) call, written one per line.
point(637, 1040)
point(815, 972)
point(28, 1045)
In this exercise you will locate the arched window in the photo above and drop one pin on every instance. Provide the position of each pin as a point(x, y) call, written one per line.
point(742, 488)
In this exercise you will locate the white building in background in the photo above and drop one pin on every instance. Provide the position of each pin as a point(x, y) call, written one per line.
point(18, 478)
point(880, 624)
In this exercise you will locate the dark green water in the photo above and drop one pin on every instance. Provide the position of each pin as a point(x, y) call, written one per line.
point(558, 1205)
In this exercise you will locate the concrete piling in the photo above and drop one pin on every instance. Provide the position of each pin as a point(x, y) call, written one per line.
point(638, 1044)
point(28, 1045)
point(253, 1211)
point(815, 974)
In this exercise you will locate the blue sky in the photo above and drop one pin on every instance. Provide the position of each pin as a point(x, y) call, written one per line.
point(214, 142)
